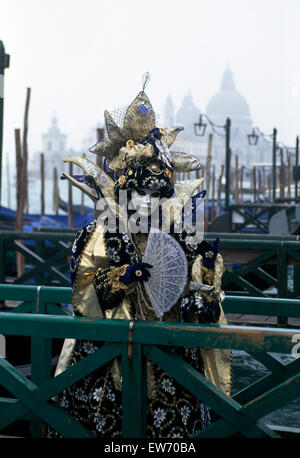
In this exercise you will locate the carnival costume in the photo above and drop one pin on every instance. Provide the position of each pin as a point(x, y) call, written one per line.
point(109, 278)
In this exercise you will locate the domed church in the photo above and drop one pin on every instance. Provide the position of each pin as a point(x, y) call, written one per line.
point(227, 102)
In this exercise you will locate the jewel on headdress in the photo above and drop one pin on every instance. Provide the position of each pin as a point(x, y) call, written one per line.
point(154, 166)
point(142, 109)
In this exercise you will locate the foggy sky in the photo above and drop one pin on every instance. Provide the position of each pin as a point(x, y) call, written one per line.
point(81, 57)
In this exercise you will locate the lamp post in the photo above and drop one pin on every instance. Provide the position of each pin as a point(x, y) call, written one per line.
point(227, 159)
point(4, 63)
point(199, 130)
point(253, 139)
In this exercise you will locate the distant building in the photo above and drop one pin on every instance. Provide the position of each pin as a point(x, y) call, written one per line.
point(169, 117)
point(186, 116)
point(227, 102)
point(54, 148)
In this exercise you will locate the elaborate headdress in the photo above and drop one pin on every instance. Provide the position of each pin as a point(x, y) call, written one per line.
point(137, 155)
point(131, 133)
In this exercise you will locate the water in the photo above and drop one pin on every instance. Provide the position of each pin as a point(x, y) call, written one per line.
point(247, 370)
point(8, 198)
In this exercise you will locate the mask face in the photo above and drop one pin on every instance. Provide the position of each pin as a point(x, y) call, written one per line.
point(145, 201)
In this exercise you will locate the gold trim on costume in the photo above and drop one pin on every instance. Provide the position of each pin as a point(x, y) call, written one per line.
point(183, 191)
point(113, 277)
point(217, 361)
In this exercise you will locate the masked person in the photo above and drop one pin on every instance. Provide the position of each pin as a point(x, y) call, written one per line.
point(109, 275)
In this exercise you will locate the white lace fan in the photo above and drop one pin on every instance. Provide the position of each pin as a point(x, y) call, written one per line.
point(168, 274)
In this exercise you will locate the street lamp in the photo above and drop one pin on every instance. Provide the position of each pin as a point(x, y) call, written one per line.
point(199, 129)
point(253, 139)
point(4, 63)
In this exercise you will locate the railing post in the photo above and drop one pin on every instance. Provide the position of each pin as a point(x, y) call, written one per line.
point(41, 352)
point(134, 392)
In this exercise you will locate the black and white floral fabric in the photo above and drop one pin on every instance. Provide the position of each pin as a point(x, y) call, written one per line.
point(172, 411)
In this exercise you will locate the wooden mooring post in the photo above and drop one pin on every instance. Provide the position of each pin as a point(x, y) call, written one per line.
point(241, 183)
point(288, 174)
point(270, 187)
point(19, 199)
point(254, 184)
point(281, 175)
point(55, 191)
point(260, 188)
point(236, 194)
point(42, 164)
point(22, 179)
point(219, 190)
point(25, 150)
point(212, 215)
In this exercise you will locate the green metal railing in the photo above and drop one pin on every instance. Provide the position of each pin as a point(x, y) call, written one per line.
point(256, 216)
point(254, 263)
point(240, 413)
point(46, 257)
point(45, 299)
point(48, 299)
point(269, 260)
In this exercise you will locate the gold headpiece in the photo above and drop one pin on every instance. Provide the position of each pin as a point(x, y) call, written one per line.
point(127, 137)
point(131, 136)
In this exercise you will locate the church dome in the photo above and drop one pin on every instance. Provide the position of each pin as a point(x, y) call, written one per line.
point(188, 111)
point(228, 101)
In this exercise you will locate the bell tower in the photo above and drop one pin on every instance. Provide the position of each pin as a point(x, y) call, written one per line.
point(54, 147)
